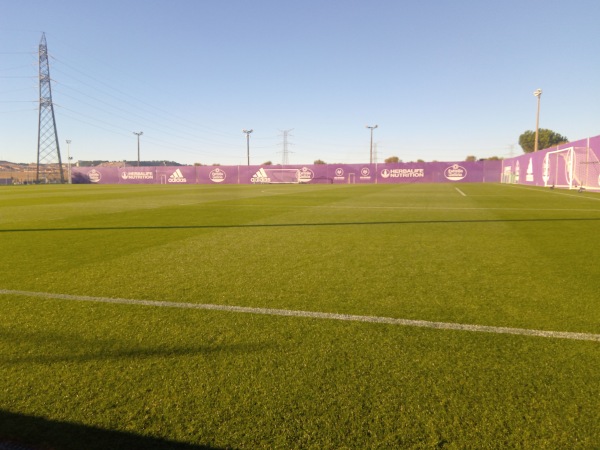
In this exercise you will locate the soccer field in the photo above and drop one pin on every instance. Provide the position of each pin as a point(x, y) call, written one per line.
point(299, 316)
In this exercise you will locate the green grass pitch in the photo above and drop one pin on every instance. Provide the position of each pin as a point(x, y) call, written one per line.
point(80, 374)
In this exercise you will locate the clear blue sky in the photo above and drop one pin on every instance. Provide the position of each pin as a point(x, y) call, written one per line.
point(442, 79)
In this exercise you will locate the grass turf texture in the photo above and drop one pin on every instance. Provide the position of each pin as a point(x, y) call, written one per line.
point(145, 376)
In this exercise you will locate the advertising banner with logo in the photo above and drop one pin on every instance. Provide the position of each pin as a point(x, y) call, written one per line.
point(314, 174)
point(455, 172)
point(176, 175)
point(95, 175)
point(440, 172)
point(404, 173)
point(352, 173)
point(570, 165)
point(217, 174)
point(274, 174)
point(138, 175)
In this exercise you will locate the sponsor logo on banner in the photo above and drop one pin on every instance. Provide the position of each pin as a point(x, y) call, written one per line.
point(177, 177)
point(365, 173)
point(260, 177)
point(339, 174)
point(546, 170)
point(94, 176)
point(137, 175)
point(217, 175)
point(403, 173)
point(306, 175)
point(529, 176)
point(455, 172)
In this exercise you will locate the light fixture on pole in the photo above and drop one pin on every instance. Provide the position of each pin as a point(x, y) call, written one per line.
point(248, 143)
point(538, 94)
point(69, 159)
point(371, 150)
point(138, 134)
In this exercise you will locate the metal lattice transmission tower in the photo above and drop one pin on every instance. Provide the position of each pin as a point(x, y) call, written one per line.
point(285, 160)
point(49, 164)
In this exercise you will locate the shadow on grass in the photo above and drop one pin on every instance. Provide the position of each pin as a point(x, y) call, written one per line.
point(21, 432)
point(75, 348)
point(283, 225)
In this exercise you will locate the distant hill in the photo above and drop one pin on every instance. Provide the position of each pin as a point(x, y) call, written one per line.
point(99, 163)
point(7, 165)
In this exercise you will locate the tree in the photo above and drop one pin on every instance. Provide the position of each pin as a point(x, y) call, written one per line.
point(320, 161)
point(471, 158)
point(546, 139)
point(267, 163)
point(392, 159)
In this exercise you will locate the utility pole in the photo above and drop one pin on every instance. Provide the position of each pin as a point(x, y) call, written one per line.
point(138, 134)
point(371, 150)
point(538, 94)
point(248, 143)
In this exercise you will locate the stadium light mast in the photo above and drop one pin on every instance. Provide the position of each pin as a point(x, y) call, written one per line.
point(138, 134)
point(248, 143)
point(371, 150)
point(538, 94)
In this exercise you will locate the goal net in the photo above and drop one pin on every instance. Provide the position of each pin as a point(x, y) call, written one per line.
point(276, 176)
point(572, 168)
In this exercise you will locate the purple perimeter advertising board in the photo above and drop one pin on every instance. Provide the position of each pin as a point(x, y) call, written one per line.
point(557, 166)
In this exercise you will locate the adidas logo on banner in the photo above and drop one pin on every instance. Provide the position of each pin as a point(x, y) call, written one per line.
point(177, 177)
point(260, 177)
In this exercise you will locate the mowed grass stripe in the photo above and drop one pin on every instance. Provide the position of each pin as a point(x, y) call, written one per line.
point(316, 315)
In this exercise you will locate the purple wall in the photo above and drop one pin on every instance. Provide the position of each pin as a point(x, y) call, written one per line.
point(550, 168)
point(435, 172)
point(543, 168)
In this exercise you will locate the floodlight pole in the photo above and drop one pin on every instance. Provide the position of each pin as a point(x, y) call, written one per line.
point(69, 160)
point(138, 134)
point(371, 150)
point(538, 94)
point(248, 143)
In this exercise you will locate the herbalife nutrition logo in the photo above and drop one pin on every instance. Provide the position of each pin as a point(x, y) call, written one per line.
point(260, 177)
point(177, 177)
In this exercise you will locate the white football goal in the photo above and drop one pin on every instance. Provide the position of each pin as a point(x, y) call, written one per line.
point(572, 168)
point(276, 176)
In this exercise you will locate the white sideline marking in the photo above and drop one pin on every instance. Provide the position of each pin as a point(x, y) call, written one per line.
point(460, 192)
point(317, 315)
point(433, 208)
point(553, 191)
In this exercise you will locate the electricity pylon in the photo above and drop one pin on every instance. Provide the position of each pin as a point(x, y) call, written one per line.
point(286, 159)
point(48, 148)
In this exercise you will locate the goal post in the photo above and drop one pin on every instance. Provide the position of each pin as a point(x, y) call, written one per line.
point(572, 168)
point(276, 176)
point(279, 176)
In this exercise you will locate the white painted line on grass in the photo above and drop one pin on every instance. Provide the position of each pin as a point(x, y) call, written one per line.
point(317, 315)
point(460, 192)
point(553, 191)
point(425, 208)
